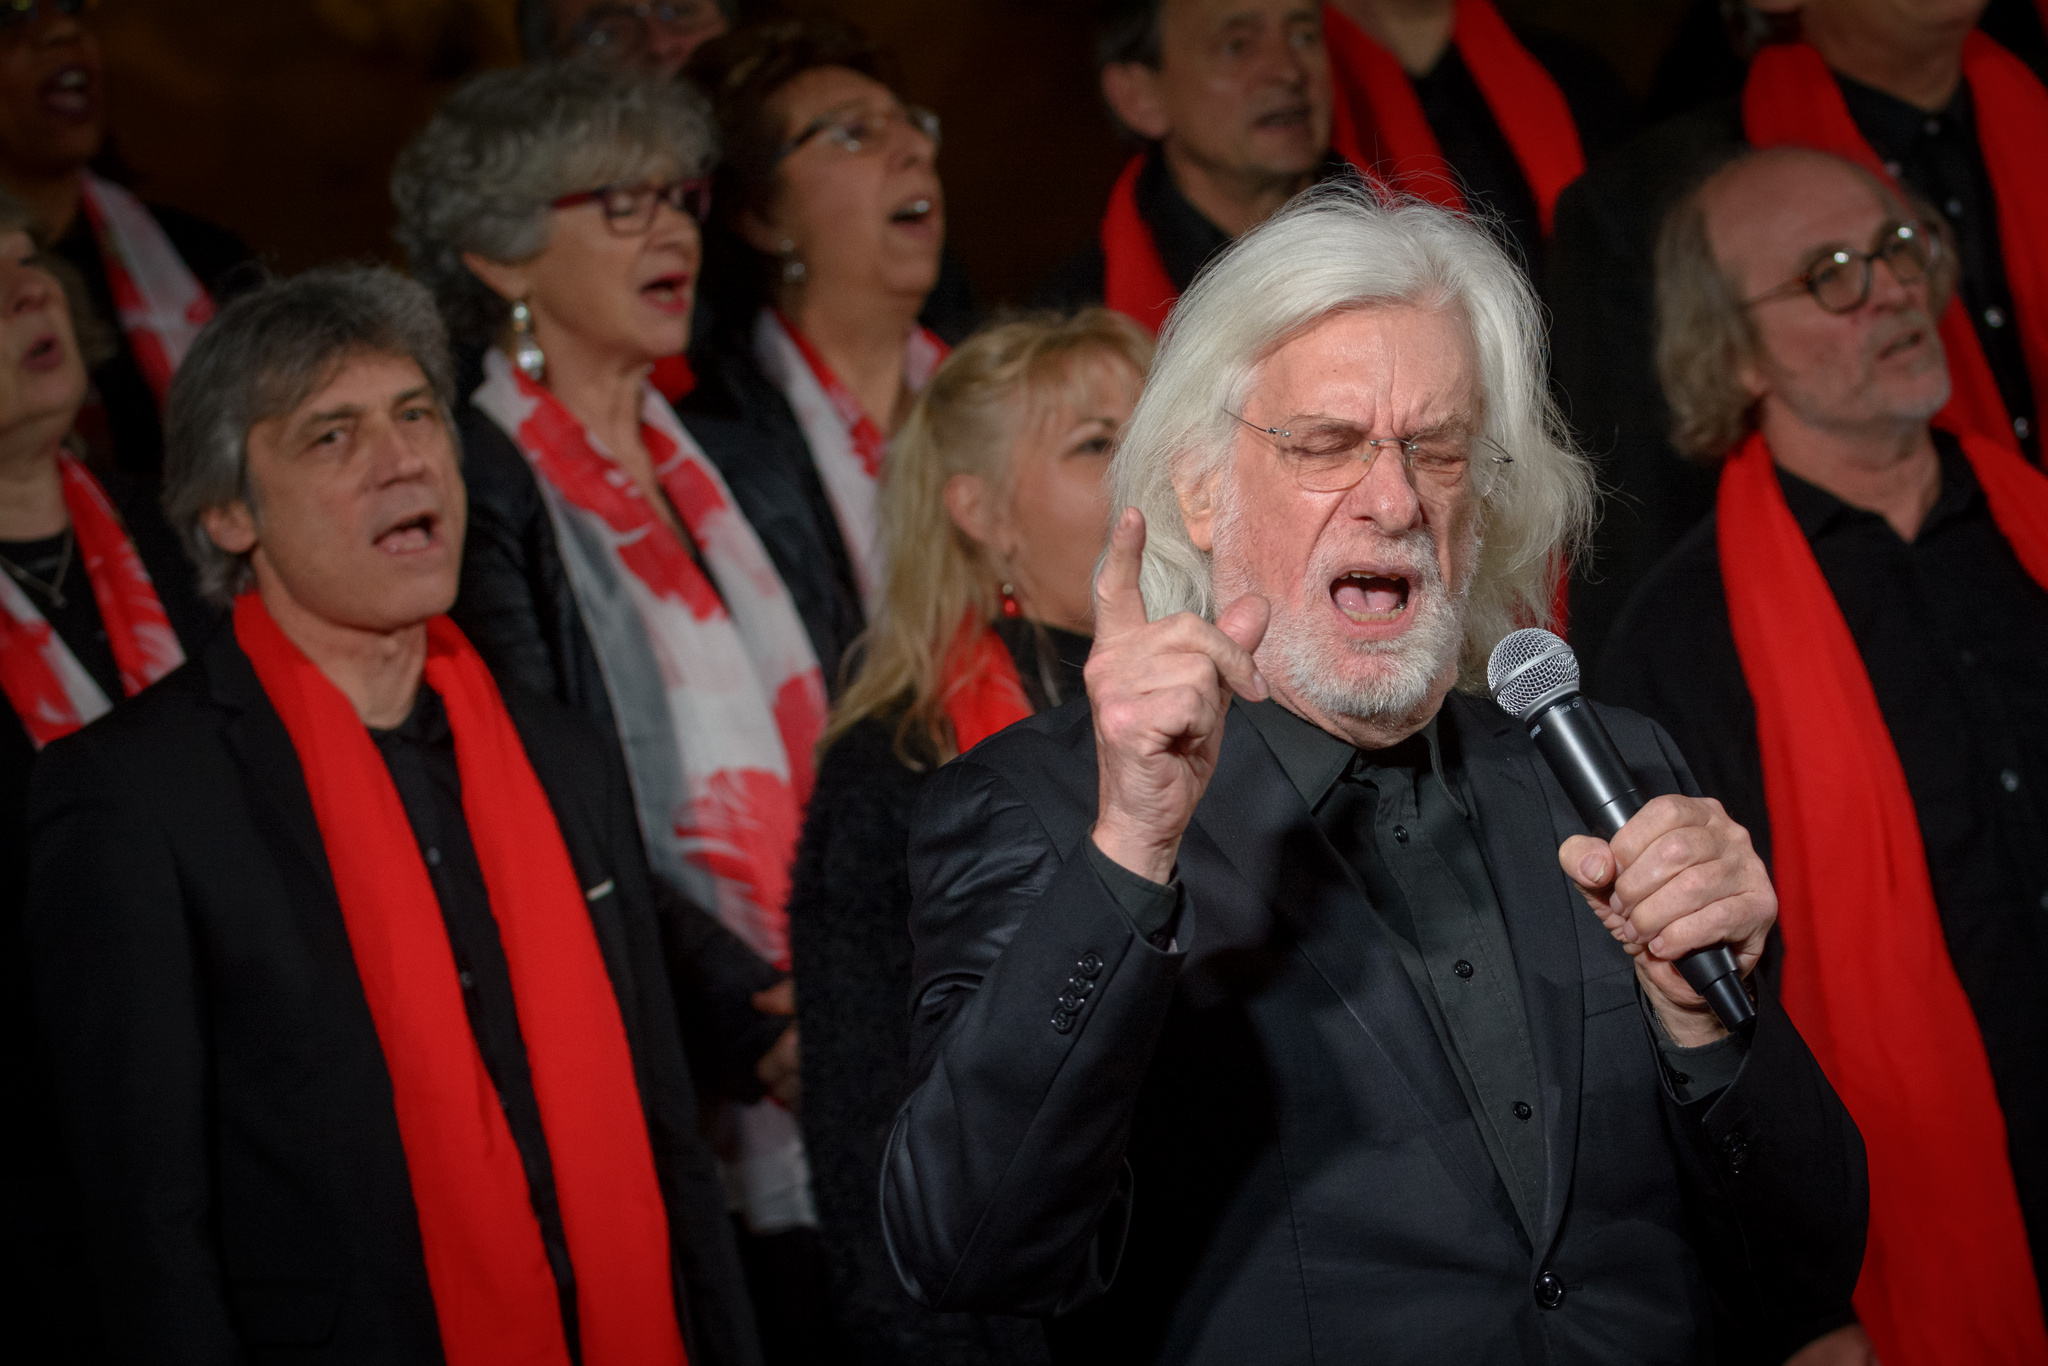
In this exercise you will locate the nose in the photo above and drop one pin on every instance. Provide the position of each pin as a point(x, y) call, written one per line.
point(26, 288)
point(674, 229)
point(1888, 292)
point(1385, 496)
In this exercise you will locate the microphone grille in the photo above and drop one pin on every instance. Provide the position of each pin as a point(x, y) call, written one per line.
point(1528, 668)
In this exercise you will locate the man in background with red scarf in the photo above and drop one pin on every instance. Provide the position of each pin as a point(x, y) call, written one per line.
point(368, 1019)
point(1852, 651)
point(1912, 92)
point(1443, 100)
point(1232, 101)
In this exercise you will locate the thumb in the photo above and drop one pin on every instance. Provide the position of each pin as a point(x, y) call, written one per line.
point(1245, 620)
point(1587, 862)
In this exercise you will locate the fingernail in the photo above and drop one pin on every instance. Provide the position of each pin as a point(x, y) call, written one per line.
point(1589, 867)
point(1259, 683)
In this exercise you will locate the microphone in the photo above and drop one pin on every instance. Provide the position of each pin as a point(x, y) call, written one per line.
point(1534, 676)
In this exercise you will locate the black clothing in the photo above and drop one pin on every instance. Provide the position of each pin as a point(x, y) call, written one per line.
point(746, 427)
point(195, 985)
point(1248, 1145)
point(849, 908)
point(122, 408)
point(1955, 637)
point(74, 613)
point(1602, 296)
point(1938, 155)
point(420, 754)
point(516, 602)
point(1183, 236)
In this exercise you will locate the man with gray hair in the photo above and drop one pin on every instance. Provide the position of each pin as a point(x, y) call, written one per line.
point(368, 1019)
point(1258, 1013)
point(1853, 651)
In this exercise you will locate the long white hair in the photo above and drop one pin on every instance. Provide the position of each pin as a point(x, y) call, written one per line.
point(1343, 245)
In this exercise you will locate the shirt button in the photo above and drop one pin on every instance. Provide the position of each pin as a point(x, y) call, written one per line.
point(2009, 780)
point(1549, 1291)
point(1462, 968)
point(1522, 1110)
point(1892, 169)
point(1968, 658)
point(468, 979)
point(433, 858)
point(2022, 428)
point(1954, 207)
point(1994, 316)
point(1932, 128)
point(1401, 834)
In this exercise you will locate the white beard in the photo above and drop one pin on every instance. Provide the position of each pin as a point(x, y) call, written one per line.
point(1321, 670)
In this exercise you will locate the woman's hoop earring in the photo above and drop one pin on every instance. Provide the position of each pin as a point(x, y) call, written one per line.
point(526, 352)
point(793, 270)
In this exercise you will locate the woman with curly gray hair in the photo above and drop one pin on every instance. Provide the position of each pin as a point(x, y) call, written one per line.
point(554, 210)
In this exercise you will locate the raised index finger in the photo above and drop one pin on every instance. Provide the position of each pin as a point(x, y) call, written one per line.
point(1119, 606)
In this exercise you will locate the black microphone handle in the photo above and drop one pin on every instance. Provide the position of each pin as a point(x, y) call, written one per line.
point(1589, 768)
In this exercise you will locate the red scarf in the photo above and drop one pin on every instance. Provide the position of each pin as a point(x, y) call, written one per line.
point(981, 690)
point(494, 1294)
point(1378, 121)
point(1792, 99)
point(49, 689)
point(1947, 1277)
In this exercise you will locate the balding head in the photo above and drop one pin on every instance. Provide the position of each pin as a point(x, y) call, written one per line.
point(1742, 337)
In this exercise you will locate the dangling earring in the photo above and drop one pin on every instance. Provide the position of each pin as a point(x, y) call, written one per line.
point(792, 269)
point(526, 352)
point(1011, 608)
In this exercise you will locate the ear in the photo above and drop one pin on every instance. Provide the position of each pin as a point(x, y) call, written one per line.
point(1750, 375)
point(1198, 509)
point(231, 526)
point(967, 501)
point(1133, 92)
point(506, 281)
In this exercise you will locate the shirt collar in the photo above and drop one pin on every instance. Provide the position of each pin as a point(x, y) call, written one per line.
point(1313, 759)
point(1819, 512)
point(1891, 124)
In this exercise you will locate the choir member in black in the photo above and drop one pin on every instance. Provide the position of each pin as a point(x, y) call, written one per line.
point(153, 274)
point(1867, 582)
point(829, 305)
point(1900, 74)
point(63, 661)
point(995, 504)
point(656, 36)
point(1443, 98)
point(1231, 99)
point(374, 1036)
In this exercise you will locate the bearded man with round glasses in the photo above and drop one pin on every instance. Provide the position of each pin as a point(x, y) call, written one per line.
point(1271, 1003)
point(1853, 652)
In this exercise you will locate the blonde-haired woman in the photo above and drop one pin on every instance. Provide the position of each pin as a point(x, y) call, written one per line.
point(994, 512)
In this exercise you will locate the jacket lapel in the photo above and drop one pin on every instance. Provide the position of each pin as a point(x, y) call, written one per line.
point(1253, 831)
point(1522, 820)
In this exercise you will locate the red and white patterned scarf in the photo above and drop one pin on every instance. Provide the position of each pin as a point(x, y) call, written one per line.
point(162, 305)
point(846, 443)
point(717, 695)
point(49, 689)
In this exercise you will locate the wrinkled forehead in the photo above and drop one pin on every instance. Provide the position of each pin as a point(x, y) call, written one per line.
point(1769, 219)
point(1398, 369)
point(1202, 19)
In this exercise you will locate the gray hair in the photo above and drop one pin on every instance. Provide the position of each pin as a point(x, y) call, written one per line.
point(261, 357)
point(1338, 246)
point(480, 176)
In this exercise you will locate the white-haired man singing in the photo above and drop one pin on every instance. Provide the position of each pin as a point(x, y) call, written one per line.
point(1259, 1016)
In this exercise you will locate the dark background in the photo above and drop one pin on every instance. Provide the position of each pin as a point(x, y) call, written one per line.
point(279, 119)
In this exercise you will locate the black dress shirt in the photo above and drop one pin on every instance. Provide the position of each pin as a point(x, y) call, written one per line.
point(1400, 820)
point(74, 614)
point(1939, 158)
point(1954, 635)
point(420, 752)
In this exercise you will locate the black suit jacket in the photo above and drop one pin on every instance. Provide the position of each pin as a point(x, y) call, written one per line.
point(244, 1189)
point(1249, 1146)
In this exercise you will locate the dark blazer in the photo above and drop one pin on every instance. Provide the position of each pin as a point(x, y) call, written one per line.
point(1250, 1146)
point(228, 1109)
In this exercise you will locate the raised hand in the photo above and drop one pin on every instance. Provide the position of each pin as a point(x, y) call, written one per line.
point(1679, 876)
point(1159, 691)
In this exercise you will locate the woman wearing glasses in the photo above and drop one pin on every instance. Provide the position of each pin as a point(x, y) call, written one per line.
point(828, 241)
point(554, 211)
